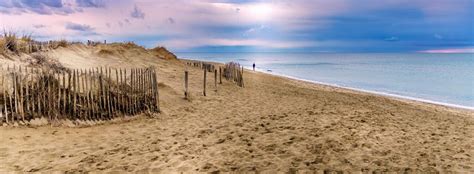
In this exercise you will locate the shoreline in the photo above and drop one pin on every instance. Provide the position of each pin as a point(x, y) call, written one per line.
point(378, 93)
point(384, 94)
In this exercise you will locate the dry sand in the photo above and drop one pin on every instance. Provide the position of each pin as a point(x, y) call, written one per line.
point(272, 125)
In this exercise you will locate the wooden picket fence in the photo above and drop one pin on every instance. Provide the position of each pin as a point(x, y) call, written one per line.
point(209, 67)
point(233, 71)
point(76, 94)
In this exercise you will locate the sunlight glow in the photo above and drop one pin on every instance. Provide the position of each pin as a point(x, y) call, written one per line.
point(261, 11)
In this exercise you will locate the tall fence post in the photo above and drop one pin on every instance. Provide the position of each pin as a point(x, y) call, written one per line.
point(215, 79)
point(132, 85)
point(157, 93)
point(5, 97)
point(127, 103)
point(10, 99)
point(22, 109)
point(242, 77)
point(67, 91)
point(74, 84)
point(220, 75)
point(101, 93)
point(204, 83)
point(186, 85)
point(121, 92)
point(15, 91)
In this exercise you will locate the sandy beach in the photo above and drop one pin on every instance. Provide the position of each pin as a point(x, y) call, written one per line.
point(273, 124)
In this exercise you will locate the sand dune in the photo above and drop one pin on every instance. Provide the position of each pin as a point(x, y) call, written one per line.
point(272, 125)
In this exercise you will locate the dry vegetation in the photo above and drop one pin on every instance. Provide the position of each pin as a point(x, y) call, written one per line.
point(41, 60)
point(13, 43)
point(163, 53)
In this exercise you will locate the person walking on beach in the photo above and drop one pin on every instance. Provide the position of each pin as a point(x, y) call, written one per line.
point(254, 66)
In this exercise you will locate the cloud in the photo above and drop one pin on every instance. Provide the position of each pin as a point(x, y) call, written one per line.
point(254, 30)
point(137, 13)
point(438, 36)
point(392, 39)
point(171, 20)
point(198, 42)
point(44, 7)
point(79, 27)
point(42, 3)
point(397, 25)
point(39, 26)
point(450, 50)
point(47, 7)
point(90, 3)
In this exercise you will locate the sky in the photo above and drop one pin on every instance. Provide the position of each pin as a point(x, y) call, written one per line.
point(432, 26)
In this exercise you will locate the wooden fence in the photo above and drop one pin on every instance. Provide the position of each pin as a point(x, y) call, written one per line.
point(77, 94)
point(233, 71)
point(209, 67)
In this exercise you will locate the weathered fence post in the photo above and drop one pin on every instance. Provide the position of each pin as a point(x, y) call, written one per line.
point(80, 85)
point(12, 111)
point(127, 103)
point(121, 92)
point(68, 106)
point(220, 75)
point(116, 96)
point(87, 93)
point(151, 106)
point(95, 94)
point(109, 101)
point(5, 97)
point(204, 83)
point(49, 96)
point(22, 109)
point(142, 89)
point(156, 92)
point(74, 79)
point(101, 93)
point(186, 85)
point(91, 94)
point(15, 90)
point(58, 95)
point(106, 82)
point(132, 85)
point(215, 79)
point(32, 99)
point(242, 77)
point(27, 86)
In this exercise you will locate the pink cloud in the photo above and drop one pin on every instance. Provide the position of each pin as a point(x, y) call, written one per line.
point(450, 50)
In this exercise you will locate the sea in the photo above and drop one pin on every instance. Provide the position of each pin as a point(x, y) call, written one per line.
point(446, 79)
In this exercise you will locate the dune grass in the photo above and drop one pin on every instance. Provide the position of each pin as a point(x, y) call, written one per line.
point(11, 42)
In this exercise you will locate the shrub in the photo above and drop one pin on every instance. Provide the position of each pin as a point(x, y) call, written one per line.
point(10, 41)
point(62, 43)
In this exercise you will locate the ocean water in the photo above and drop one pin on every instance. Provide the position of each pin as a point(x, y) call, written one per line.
point(438, 78)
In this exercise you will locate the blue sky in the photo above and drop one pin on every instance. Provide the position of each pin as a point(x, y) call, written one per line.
point(235, 26)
